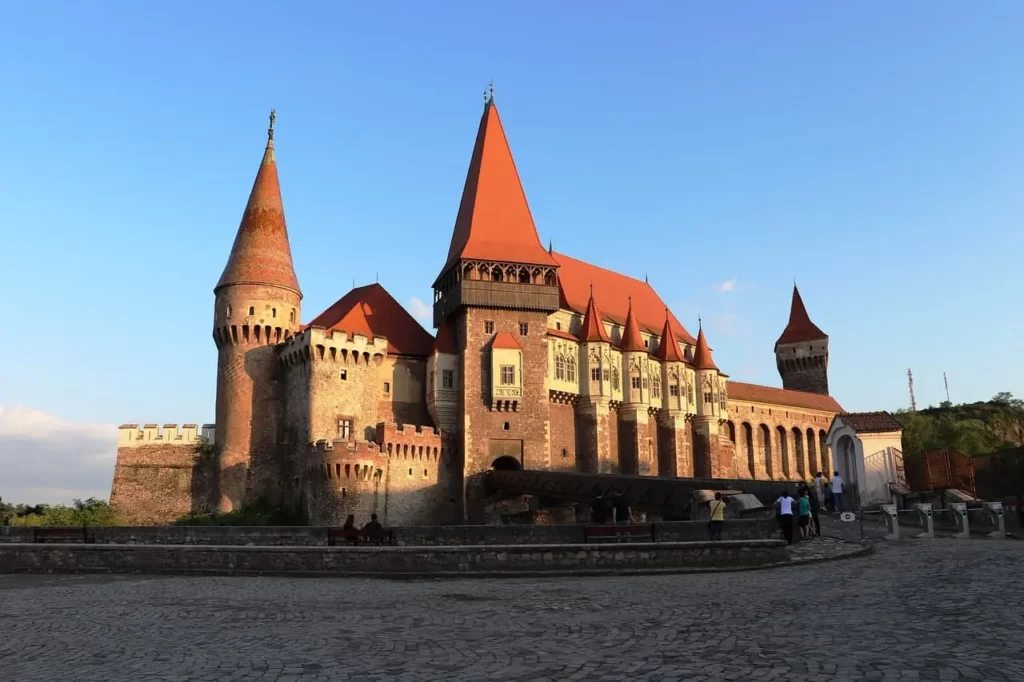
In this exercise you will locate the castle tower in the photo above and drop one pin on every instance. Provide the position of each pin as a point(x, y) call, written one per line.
point(257, 305)
point(801, 353)
point(710, 458)
point(634, 448)
point(497, 280)
point(596, 394)
point(675, 438)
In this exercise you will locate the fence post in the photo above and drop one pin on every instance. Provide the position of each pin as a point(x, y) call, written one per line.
point(891, 521)
point(960, 517)
point(996, 510)
point(925, 510)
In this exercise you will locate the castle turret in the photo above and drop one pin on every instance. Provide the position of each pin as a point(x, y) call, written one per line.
point(599, 385)
point(675, 439)
point(710, 456)
point(257, 305)
point(635, 456)
point(801, 353)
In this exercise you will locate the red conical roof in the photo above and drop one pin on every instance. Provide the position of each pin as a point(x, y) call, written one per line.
point(261, 253)
point(702, 354)
point(668, 349)
point(800, 327)
point(631, 339)
point(593, 325)
point(371, 311)
point(494, 220)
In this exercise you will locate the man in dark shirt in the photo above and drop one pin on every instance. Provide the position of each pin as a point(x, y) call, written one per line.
point(374, 525)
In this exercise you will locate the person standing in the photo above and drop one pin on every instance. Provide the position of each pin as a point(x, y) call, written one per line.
point(804, 513)
point(784, 505)
point(819, 487)
point(717, 518)
point(623, 514)
point(837, 492)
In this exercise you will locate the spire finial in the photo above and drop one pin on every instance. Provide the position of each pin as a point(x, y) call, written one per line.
point(490, 89)
point(270, 130)
point(550, 244)
point(700, 324)
point(646, 281)
point(591, 289)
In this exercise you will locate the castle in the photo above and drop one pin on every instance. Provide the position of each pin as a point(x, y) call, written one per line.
point(540, 361)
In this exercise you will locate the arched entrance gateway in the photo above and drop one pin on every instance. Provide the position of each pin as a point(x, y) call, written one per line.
point(506, 463)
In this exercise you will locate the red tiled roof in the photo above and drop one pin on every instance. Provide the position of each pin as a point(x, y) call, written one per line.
point(872, 422)
point(505, 340)
point(668, 349)
point(592, 328)
point(612, 293)
point(702, 354)
point(780, 396)
point(444, 342)
point(800, 327)
point(631, 339)
point(494, 220)
point(561, 334)
point(261, 253)
point(371, 311)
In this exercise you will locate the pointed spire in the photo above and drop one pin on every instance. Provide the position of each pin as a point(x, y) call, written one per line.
point(261, 253)
point(551, 246)
point(800, 327)
point(593, 327)
point(631, 339)
point(701, 353)
point(668, 350)
point(494, 221)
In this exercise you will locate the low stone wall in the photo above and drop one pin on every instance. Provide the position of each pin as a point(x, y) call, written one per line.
point(391, 562)
point(428, 536)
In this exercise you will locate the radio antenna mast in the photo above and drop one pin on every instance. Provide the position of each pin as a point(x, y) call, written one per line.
point(910, 380)
point(945, 381)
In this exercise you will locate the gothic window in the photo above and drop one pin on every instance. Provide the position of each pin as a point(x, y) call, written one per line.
point(656, 387)
point(344, 429)
point(595, 374)
point(560, 367)
point(605, 377)
point(524, 329)
point(488, 327)
point(690, 399)
point(447, 378)
point(707, 397)
point(508, 375)
point(673, 390)
point(615, 378)
point(497, 275)
point(570, 370)
point(645, 383)
point(635, 382)
point(722, 400)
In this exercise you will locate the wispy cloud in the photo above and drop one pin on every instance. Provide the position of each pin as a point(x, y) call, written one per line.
point(48, 459)
point(423, 313)
point(726, 287)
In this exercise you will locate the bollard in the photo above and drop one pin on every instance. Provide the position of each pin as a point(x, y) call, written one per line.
point(960, 517)
point(891, 521)
point(996, 510)
point(925, 510)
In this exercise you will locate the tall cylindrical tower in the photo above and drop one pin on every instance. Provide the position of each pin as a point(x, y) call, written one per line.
point(257, 305)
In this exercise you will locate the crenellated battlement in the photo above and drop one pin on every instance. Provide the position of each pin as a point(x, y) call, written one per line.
point(250, 335)
point(134, 436)
point(406, 440)
point(315, 344)
point(344, 460)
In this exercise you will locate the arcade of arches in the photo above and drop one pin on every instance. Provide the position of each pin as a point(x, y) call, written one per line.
point(779, 452)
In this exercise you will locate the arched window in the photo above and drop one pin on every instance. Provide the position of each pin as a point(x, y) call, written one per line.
point(570, 370)
point(655, 386)
point(252, 310)
point(497, 275)
point(560, 367)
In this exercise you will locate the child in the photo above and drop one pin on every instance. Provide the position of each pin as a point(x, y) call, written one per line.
point(804, 513)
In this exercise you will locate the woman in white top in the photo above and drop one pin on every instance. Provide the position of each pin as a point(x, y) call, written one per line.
point(785, 505)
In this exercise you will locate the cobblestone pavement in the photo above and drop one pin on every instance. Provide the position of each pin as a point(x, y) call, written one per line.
point(916, 610)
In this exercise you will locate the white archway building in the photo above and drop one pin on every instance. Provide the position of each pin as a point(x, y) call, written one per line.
point(867, 449)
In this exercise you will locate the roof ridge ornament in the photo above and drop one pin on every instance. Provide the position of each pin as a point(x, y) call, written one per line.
point(270, 130)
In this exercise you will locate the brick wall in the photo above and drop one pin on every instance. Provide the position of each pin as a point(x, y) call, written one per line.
point(485, 433)
point(563, 437)
point(155, 484)
point(788, 456)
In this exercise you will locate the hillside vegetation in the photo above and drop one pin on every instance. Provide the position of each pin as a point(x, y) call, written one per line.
point(972, 428)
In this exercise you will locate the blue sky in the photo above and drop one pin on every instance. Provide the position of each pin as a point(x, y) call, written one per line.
point(872, 150)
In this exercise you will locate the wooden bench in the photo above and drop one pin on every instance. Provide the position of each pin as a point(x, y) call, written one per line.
point(72, 534)
point(355, 536)
point(634, 532)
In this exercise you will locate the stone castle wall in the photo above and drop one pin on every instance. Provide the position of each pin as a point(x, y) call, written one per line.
point(161, 474)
